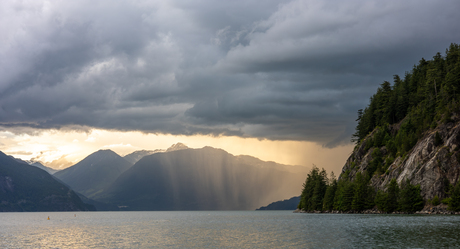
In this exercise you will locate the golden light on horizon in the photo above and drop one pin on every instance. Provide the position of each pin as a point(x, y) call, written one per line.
point(60, 149)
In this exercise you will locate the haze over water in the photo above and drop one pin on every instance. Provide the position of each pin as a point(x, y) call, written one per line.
point(225, 229)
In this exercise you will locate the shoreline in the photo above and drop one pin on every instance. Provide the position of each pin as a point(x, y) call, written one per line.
point(428, 209)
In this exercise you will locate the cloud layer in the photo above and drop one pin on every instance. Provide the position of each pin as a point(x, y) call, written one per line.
point(291, 70)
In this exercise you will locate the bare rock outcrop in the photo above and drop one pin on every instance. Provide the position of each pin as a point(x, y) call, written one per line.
point(431, 165)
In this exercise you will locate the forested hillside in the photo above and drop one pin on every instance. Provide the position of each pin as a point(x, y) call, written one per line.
point(402, 112)
point(407, 146)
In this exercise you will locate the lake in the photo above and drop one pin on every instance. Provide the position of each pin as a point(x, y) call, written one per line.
point(226, 229)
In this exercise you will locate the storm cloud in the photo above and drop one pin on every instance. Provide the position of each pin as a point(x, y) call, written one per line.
point(281, 70)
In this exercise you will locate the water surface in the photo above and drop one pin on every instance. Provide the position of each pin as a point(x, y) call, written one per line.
point(226, 229)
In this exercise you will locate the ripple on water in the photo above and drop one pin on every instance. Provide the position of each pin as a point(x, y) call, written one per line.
point(235, 229)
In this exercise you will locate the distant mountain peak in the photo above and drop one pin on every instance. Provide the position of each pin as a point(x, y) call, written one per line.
point(178, 146)
point(94, 172)
point(105, 151)
point(103, 154)
point(40, 165)
point(145, 151)
point(137, 155)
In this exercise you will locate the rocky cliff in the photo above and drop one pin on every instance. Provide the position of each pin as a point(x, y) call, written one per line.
point(407, 146)
point(433, 162)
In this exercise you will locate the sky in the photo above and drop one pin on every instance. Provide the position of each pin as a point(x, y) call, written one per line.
point(279, 80)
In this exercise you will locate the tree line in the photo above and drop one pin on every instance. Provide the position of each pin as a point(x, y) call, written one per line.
point(396, 117)
point(323, 193)
point(425, 96)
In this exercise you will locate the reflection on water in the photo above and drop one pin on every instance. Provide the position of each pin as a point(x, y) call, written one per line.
point(221, 229)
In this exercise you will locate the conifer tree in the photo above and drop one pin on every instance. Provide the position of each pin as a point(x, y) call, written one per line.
point(328, 202)
point(454, 202)
point(410, 198)
point(381, 200)
point(347, 198)
point(313, 190)
point(393, 196)
point(360, 193)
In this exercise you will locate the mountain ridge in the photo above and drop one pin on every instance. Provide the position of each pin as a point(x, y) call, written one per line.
point(40, 165)
point(287, 204)
point(137, 155)
point(94, 172)
point(198, 179)
point(28, 188)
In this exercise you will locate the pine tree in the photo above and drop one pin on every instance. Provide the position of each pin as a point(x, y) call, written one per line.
point(437, 139)
point(454, 202)
point(328, 202)
point(360, 193)
point(393, 196)
point(313, 190)
point(370, 198)
point(348, 194)
point(381, 200)
point(410, 199)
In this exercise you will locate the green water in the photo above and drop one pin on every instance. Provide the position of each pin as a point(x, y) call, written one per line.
point(226, 229)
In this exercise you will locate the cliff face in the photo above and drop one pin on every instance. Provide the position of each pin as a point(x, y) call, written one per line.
point(432, 163)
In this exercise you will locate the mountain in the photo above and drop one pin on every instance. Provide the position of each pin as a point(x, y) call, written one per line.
point(290, 204)
point(100, 206)
point(27, 188)
point(36, 164)
point(39, 165)
point(19, 160)
point(250, 160)
point(178, 146)
point(94, 173)
point(137, 155)
point(199, 179)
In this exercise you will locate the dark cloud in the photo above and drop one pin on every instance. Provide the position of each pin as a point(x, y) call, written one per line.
point(296, 70)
